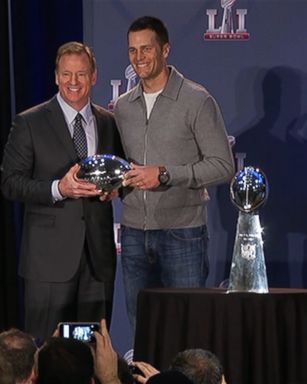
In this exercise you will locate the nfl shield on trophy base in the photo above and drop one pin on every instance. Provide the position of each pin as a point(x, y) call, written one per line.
point(106, 171)
point(249, 191)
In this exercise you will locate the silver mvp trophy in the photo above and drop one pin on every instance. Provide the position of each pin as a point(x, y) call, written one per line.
point(248, 191)
point(106, 171)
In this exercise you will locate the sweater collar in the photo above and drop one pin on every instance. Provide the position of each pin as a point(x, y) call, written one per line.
point(171, 89)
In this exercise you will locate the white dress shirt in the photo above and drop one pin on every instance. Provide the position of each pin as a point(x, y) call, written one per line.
point(90, 128)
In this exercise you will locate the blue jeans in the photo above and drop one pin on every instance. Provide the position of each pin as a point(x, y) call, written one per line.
point(162, 258)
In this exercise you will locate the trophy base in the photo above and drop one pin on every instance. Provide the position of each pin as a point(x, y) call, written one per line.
point(248, 270)
point(263, 290)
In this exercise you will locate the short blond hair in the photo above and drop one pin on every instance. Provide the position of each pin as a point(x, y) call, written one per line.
point(75, 47)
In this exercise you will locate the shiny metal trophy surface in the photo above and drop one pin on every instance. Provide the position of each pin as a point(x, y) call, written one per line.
point(249, 191)
point(227, 23)
point(106, 171)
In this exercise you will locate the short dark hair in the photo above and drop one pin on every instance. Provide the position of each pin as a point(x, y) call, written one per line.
point(19, 348)
point(169, 377)
point(152, 23)
point(75, 47)
point(64, 361)
point(199, 365)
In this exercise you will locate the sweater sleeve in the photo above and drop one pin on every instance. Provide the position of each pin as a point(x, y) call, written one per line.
point(216, 164)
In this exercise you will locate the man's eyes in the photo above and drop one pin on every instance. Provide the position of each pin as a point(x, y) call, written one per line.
point(133, 51)
point(68, 74)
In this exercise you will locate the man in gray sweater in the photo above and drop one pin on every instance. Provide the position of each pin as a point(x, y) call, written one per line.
point(173, 133)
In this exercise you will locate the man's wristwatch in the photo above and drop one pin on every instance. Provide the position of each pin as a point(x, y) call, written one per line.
point(163, 176)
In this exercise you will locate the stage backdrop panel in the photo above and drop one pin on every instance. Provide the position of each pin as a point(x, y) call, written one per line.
point(259, 80)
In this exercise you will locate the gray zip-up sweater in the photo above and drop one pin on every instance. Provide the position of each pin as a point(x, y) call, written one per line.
point(185, 133)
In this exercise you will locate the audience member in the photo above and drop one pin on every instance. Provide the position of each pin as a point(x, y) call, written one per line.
point(106, 359)
point(6, 370)
point(124, 372)
point(200, 366)
point(169, 377)
point(19, 348)
point(146, 371)
point(62, 361)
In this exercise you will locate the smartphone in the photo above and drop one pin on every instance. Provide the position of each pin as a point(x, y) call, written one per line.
point(79, 331)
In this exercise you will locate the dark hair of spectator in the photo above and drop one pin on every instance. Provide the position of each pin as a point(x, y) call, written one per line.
point(19, 348)
point(62, 361)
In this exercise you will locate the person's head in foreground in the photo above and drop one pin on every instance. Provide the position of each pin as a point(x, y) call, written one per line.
point(200, 366)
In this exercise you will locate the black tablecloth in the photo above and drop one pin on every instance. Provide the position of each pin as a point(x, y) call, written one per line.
point(259, 338)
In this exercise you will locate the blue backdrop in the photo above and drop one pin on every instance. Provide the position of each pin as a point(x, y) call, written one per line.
point(260, 85)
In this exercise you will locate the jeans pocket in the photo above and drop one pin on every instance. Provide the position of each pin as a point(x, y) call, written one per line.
point(189, 234)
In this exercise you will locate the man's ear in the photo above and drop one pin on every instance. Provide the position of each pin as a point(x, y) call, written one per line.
point(165, 50)
point(94, 77)
point(56, 78)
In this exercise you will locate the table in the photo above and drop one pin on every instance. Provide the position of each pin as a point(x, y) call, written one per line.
point(259, 338)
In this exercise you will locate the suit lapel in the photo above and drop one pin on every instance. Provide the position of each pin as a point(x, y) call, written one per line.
point(100, 123)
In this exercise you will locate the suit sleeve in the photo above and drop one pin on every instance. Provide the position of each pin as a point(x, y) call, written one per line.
point(18, 181)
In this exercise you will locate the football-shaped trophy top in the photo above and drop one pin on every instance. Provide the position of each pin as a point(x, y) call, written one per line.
point(249, 189)
point(106, 171)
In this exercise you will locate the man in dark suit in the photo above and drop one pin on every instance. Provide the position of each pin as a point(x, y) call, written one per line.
point(68, 254)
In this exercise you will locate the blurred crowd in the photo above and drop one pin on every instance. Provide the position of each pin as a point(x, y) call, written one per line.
point(66, 360)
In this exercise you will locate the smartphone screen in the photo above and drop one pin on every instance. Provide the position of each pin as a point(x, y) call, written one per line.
point(79, 331)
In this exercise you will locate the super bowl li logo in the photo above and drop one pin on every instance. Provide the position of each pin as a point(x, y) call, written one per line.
point(131, 78)
point(232, 25)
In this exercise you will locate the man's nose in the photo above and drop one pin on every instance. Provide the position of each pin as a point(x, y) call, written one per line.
point(74, 78)
point(139, 55)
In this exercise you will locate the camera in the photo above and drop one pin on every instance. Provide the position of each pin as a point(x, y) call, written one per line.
point(79, 331)
point(135, 370)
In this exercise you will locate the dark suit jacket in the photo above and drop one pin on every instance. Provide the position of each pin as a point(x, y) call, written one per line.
point(40, 150)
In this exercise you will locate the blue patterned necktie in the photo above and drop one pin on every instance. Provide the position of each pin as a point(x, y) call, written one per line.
point(79, 137)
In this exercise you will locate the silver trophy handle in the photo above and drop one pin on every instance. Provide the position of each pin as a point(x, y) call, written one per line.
point(227, 23)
